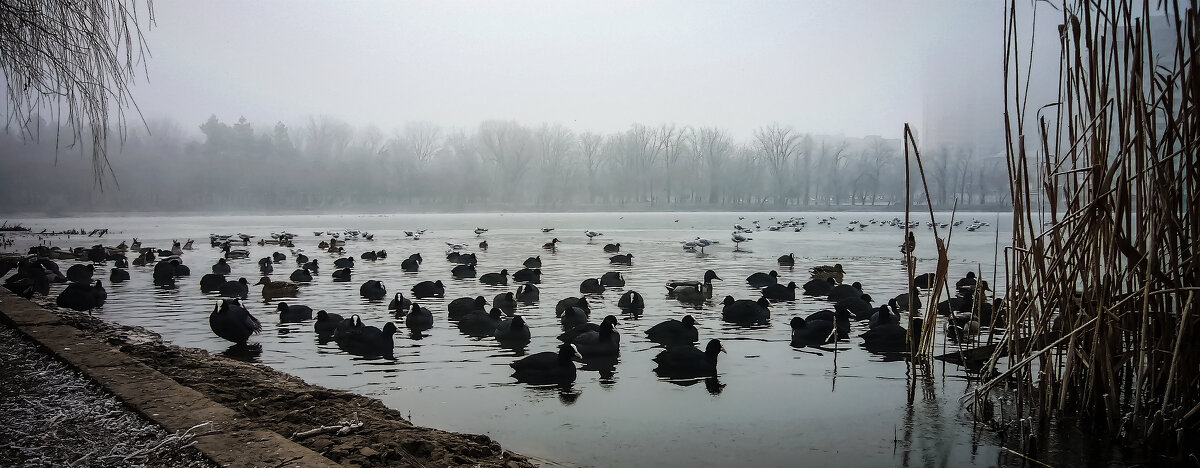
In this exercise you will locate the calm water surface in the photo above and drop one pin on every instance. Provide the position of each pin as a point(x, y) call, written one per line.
point(772, 405)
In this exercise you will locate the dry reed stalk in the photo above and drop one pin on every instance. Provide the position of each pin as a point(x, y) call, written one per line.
point(1099, 300)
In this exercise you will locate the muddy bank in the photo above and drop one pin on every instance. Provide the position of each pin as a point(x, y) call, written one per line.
point(287, 405)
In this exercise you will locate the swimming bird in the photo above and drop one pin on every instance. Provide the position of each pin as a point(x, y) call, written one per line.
point(760, 279)
point(326, 323)
point(689, 361)
point(370, 341)
point(591, 286)
point(455, 247)
point(612, 279)
point(528, 293)
point(506, 302)
point(674, 332)
point(592, 234)
point(344, 262)
point(603, 342)
point(231, 321)
point(843, 291)
point(779, 292)
point(512, 331)
point(860, 307)
point(703, 288)
point(901, 302)
point(569, 335)
point(533, 262)
point(528, 275)
point(80, 273)
point(301, 259)
point(825, 271)
point(479, 231)
point(480, 324)
point(118, 275)
point(426, 289)
point(787, 260)
point(293, 313)
point(925, 280)
point(626, 259)
point(276, 256)
point(883, 315)
point(418, 318)
point(495, 279)
point(551, 245)
point(612, 248)
point(812, 333)
point(412, 263)
point(211, 282)
point(342, 274)
point(82, 297)
point(239, 289)
point(840, 319)
point(221, 267)
point(463, 271)
point(572, 311)
point(890, 338)
point(399, 304)
point(301, 275)
point(274, 289)
point(547, 366)
point(312, 266)
point(819, 287)
point(547, 229)
point(464, 306)
point(745, 311)
point(631, 301)
point(373, 290)
point(369, 255)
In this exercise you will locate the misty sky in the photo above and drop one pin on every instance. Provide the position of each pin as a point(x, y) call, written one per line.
point(854, 68)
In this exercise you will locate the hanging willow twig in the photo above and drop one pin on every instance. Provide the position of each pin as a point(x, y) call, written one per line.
point(72, 63)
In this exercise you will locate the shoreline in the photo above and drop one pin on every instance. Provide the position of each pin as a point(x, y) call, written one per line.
point(254, 410)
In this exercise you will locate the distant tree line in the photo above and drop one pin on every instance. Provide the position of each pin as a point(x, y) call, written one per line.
point(324, 163)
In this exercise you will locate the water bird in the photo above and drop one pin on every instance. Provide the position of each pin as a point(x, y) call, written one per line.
point(418, 318)
point(231, 321)
point(301, 275)
point(373, 290)
point(843, 291)
point(569, 335)
point(631, 302)
point(825, 271)
point(812, 333)
point(479, 231)
point(533, 262)
point(326, 323)
point(612, 279)
point(312, 266)
point(760, 279)
point(239, 289)
point(455, 247)
point(344, 262)
point(552, 244)
point(612, 248)
point(368, 340)
point(528, 275)
point(426, 289)
point(689, 361)
point(674, 332)
point(118, 275)
point(779, 292)
point(591, 286)
point(602, 342)
point(512, 331)
point(745, 311)
point(840, 319)
point(464, 306)
point(399, 304)
point(80, 273)
point(342, 274)
point(264, 266)
point(819, 287)
point(528, 293)
point(691, 290)
point(860, 307)
point(626, 259)
point(480, 324)
point(463, 271)
point(547, 229)
point(572, 311)
point(82, 297)
point(702, 243)
point(787, 260)
point(547, 366)
point(592, 234)
point(278, 257)
point(293, 313)
point(412, 263)
point(891, 338)
point(738, 238)
point(506, 302)
point(495, 279)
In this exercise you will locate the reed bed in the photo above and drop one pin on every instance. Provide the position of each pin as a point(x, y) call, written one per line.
point(1102, 274)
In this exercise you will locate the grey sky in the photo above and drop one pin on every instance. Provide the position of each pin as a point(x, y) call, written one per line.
point(827, 67)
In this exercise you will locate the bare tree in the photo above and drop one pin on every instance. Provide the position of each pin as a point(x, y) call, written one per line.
point(80, 55)
point(711, 147)
point(327, 137)
point(590, 147)
point(776, 146)
point(555, 143)
point(423, 140)
point(672, 141)
point(507, 144)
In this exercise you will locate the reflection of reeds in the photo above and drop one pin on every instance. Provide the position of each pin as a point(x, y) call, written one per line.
point(1099, 300)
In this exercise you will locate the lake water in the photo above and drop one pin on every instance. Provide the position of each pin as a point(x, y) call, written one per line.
point(773, 405)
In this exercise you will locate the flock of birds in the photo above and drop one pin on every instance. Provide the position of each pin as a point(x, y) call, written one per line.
point(476, 316)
